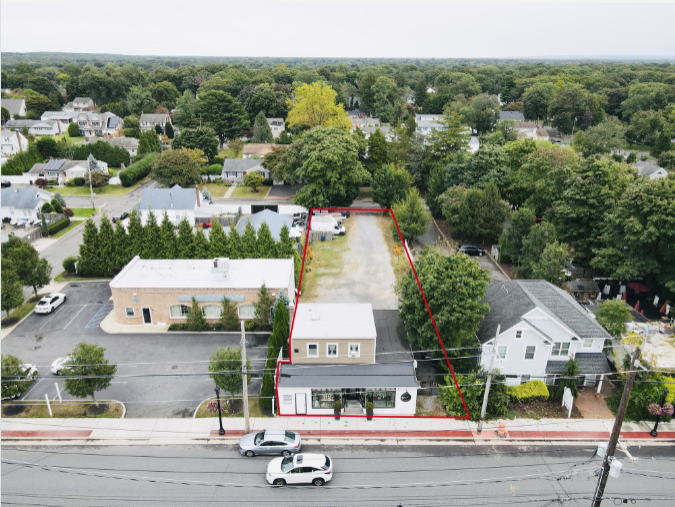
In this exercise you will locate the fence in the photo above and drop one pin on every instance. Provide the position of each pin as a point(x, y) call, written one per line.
point(33, 234)
point(225, 221)
point(316, 235)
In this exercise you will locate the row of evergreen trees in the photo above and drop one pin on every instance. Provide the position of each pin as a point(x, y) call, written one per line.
point(278, 340)
point(108, 248)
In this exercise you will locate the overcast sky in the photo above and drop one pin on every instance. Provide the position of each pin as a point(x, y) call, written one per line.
point(324, 28)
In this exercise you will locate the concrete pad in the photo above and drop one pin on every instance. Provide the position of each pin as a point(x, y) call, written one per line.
point(111, 326)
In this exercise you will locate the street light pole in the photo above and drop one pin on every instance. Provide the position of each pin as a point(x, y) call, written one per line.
point(245, 377)
point(221, 431)
point(655, 433)
point(91, 160)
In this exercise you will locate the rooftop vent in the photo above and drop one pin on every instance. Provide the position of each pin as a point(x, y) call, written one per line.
point(314, 315)
point(221, 266)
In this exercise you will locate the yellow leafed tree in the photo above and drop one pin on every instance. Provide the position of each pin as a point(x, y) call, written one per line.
point(315, 106)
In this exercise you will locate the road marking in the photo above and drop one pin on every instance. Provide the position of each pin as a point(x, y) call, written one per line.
point(71, 320)
point(96, 319)
point(33, 388)
point(51, 317)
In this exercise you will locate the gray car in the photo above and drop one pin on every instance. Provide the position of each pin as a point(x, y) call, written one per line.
point(270, 442)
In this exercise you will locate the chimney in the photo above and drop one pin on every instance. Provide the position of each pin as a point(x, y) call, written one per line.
point(197, 190)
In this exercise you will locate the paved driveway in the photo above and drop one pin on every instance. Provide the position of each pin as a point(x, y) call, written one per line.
point(496, 275)
point(158, 375)
point(367, 275)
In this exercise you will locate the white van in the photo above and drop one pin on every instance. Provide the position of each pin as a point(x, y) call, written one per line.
point(327, 226)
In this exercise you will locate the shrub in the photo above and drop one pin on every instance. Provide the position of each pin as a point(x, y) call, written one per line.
point(47, 207)
point(69, 264)
point(56, 205)
point(214, 169)
point(529, 392)
point(178, 327)
point(369, 407)
point(131, 132)
point(21, 162)
point(41, 182)
point(137, 171)
point(667, 159)
point(73, 130)
point(473, 390)
point(219, 160)
point(337, 406)
point(268, 182)
point(68, 212)
point(249, 325)
point(75, 182)
point(58, 225)
point(127, 177)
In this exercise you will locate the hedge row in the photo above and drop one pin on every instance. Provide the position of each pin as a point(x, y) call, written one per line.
point(57, 226)
point(114, 156)
point(529, 392)
point(249, 326)
point(21, 162)
point(137, 170)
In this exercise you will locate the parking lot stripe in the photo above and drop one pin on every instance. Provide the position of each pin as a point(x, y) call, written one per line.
point(71, 320)
point(51, 317)
point(33, 388)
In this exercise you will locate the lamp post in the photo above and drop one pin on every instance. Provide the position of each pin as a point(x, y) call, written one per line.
point(655, 433)
point(221, 431)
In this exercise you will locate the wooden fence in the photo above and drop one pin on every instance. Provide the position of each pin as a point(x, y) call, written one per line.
point(316, 236)
point(225, 221)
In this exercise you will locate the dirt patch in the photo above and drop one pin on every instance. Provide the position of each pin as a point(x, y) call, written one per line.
point(592, 407)
point(541, 410)
point(429, 406)
point(12, 410)
point(234, 408)
point(100, 410)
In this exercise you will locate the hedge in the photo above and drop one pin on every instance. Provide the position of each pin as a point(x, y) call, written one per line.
point(529, 392)
point(57, 226)
point(114, 156)
point(214, 170)
point(137, 170)
point(21, 162)
point(69, 264)
point(75, 182)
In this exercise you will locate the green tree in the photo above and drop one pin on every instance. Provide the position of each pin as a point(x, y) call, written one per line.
point(569, 379)
point(56, 206)
point(236, 249)
point(148, 142)
point(568, 109)
point(120, 246)
point(473, 392)
point(153, 238)
point(536, 100)
point(254, 180)
point(390, 185)
point(613, 316)
point(187, 108)
point(450, 139)
point(185, 245)
point(451, 202)
point(412, 218)
point(285, 248)
point(195, 320)
point(605, 137)
point(315, 106)
point(202, 249)
point(249, 249)
point(218, 241)
point(454, 286)
point(73, 130)
point(140, 100)
point(5, 115)
point(494, 213)
point(484, 113)
point(177, 167)
point(436, 188)
point(136, 234)
point(237, 147)
point(89, 259)
point(201, 138)
point(228, 316)
point(13, 376)
point(167, 239)
point(385, 94)
point(645, 97)
point(12, 293)
point(158, 130)
point(32, 270)
point(534, 245)
point(263, 308)
point(280, 326)
point(511, 241)
point(165, 94)
point(106, 246)
point(168, 130)
point(223, 114)
point(420, 93)
point(490, 162)
point(262, 133)
point(88, 371)
point(266, 247)
point(378, 152)
point(226, 370)
point(552, 262)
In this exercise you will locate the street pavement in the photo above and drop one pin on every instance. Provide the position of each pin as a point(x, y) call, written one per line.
point(424, 475)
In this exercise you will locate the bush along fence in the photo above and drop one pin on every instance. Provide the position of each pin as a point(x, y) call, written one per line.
point(137, 171)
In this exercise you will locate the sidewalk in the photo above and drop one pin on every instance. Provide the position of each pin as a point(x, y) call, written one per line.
point(319, 430)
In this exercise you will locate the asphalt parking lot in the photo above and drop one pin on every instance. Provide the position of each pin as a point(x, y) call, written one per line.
point(158, 375)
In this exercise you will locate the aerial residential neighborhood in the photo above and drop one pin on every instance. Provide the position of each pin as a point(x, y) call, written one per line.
point(352, 266)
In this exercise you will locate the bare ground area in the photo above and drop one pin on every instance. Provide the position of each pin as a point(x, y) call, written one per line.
point(429, 406)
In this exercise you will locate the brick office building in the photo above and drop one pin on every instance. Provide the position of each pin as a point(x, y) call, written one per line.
point(161, 291)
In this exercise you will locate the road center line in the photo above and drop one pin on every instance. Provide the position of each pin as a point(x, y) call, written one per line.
point(71, 320)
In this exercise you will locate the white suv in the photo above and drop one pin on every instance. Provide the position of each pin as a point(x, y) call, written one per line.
point(314, 469)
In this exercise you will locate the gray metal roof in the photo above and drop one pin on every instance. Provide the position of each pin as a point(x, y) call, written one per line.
point(241, 164)
point(391, 344)
point(511, 115)
point(583, 286)
point(13, 105)
point(589, 364)
point(646, 168)
point(22, 198)
point(154, 118)
point(28, 123)
point(511, 300)
point(348, 375)
point(274, 221)
point(168, 198)
point(58, 165)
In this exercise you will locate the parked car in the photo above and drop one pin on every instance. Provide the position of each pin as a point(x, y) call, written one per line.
point(270, 442)
point(59, 364)
point(314, 469)
point(5, 183)
point(119, 216)
point(470, 250)
point(30, 374)
point(50, 303)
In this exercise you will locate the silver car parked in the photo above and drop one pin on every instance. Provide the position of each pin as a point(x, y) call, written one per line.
point(270, 442)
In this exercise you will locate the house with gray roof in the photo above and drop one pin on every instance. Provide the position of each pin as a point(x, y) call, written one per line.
point(178, 203)
point(541, 327)
point(277, 125)
point(14, 106)
point(79, 104)
point(36, 127)
point(63, 170)
point(23, 204)
point(650, 170)
point(511, 116)
point(98, 124)
point(149, 121)
point(274, 221)
point(234, 169)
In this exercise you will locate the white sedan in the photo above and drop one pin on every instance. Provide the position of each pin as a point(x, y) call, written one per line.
point(30, 372)
point(59, 364)
point(50, 303)
point(315, 469)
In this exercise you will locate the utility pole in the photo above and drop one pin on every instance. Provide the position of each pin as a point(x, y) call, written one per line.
point(618, 422)
point(90, 161)
point(489, 381)
point(244, 376)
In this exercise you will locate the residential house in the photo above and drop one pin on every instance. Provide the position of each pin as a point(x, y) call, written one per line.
point(385, 131)
point(428, 117)
point(650, 170)
point(257, 150)
point(23, 204)
point(540, 327)
point(511, 116)
point(234, 169)
point(176, 201)
point(99, 124)
point(36, 127)
point(362, 121)
point(583, 290)
point(427, 123)
point(11, 143)
point(161, 291)
point(149, 121)
point(16, 107)
point(128, 143)
point(63, 170)
point(274, 221)
point(526, 129)
point(278, 125)
point(341, 352)
point(79, 104)
point(542, 134)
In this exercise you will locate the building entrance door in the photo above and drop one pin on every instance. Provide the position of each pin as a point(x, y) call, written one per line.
point(147, 318)
point(300, 403)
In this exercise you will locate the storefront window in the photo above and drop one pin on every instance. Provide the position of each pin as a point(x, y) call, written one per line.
point(212, 311)
point(179, 311)
point(382, 399)
point(324, 398)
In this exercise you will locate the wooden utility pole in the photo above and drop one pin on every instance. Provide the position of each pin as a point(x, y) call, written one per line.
point(91, 161)
point(244, 377)
point(616, 430)
point(489, 381)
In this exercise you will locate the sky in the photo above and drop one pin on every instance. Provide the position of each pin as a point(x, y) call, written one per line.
point(347, 28)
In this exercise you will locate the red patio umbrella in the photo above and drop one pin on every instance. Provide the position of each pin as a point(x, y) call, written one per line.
point(637, 306)
point(624, 296)
point(663, 308)
point(639, 287)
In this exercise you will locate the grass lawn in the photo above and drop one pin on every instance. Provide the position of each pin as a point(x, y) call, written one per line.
point(636, 147)
point(63, 232)
point(254, 409)
point(215, 190)
point(226, 152)
point(245, 193)
point(21, 312)
point(324, 258)
point(84, 212)
point(65, 277)
point(74, 409)
point(365, 194)
point(107, 190)
point(397, 257)
point(68, 138)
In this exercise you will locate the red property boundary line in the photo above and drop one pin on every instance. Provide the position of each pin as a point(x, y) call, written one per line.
point(290, 348)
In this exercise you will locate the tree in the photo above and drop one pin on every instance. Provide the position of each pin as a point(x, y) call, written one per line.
point(536, 100)
point(436, 187)
point(493, 214)
point(185, 246)
point(5, 115)
point(484, 111)
point(37, 104)
point(106, 247)
point(120, 246)
point(32, 270)
point(237, 146)
point(534, 245)
point(385, 94)
point(228, 316)
point(73, 130)
point(158, 130)
point(202, 249)
point(201, 138)
point(120, 108)
point(168, 130)
point(569, 380)
point(12, 291)
point(59, 198)
point(223, 114)
point(187, 107)
point(47, 147)
point(153, 238)
point(226, 370)
point(165, 94)
point(263, 99)
point(454, 286)
point(47, 208)
point(473, 392)
point(89, 259)
point(167, 239)
point(511, 241)
point(645, 97)
point(136, 234)
point(88, 371)
point(315, 106)
point(378, 152)
point(613, 316)
point(266, 247)
point(148, 142)
point(249, 249)
point(285, 247)
point(234, 239)
point(263, 308)
point(390, 185)
point(605, 137)
point(218, 241)
point(177, 167)
point(450, 139)
point(140, 100)
point(490, 162)
point(420, 93)
point(568, 109)
point(195, 320)
point(412, 218)
point(254, 180)
point(552, 263)
point(262, 133)
point(14, 381)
